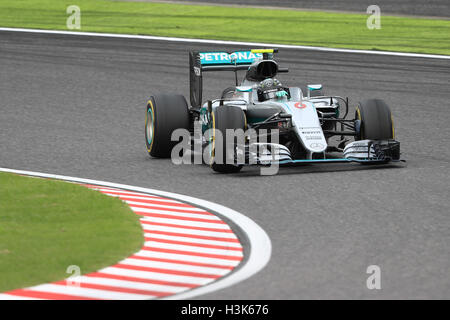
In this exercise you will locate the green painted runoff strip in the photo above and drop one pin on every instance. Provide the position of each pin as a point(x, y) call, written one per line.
point(338, 30)
point(47, 226)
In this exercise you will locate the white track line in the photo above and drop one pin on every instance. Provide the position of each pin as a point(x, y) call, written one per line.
point(141, 198)
point(180, 255)
point(175, 266)
point(227, 43)
point(129, 284)
point(186, 223)
point(181, 230)
point(88, 292)
point(176, 214)
point(188, 258)
point(140, 203)
point(13, 297)
point(193, 240)
point(161, 245)
point(157, 276)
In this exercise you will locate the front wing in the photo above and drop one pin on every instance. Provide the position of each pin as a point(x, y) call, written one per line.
point(363, 151)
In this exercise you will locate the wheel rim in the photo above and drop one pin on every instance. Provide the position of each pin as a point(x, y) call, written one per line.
point(150, 127)
point(212, 139)
point(359, 118)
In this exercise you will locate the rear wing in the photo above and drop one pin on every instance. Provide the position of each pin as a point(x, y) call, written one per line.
point(200, 62)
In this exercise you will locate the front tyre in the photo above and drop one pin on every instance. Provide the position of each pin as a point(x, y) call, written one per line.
point(223, 118)
point(374, 120)
point(165, 113)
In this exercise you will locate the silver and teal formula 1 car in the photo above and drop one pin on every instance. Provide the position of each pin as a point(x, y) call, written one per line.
point(269, 122)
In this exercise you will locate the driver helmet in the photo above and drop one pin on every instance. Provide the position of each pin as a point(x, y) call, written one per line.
point(269, 89)
point(269, 84)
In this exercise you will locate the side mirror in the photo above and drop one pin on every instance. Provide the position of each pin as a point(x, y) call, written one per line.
point(313, 87)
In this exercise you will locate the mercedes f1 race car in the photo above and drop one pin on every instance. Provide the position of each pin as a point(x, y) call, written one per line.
point(260, 121)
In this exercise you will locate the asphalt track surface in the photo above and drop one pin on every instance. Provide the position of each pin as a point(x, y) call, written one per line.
point(432, 8)
point(75, 106)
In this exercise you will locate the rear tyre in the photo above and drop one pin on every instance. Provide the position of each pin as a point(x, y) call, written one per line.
point(375, 120)
point(228, 93)
point(313, 93)
point(165, 113)
point(223, 118)
point(317, 93)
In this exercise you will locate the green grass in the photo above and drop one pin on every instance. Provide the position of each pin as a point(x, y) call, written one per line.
point(229, 23)
point(47, 225)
